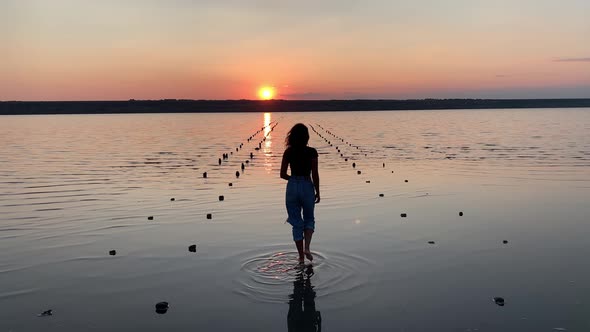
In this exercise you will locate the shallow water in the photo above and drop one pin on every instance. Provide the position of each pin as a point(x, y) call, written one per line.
point(73, 187)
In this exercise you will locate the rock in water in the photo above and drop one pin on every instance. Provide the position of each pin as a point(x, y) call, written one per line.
point(46, 313)
point(368, 181)
point(151, 218)
point(460, 214)
point(499, 301)
point(381, 195)
point(505, 241)
point(431, 242)
point(192, 248)
point(353, 165)
point(221, 198)
point(405, 180)
point(162, 307)
point(209, 216)
point(113, 252)
point(403, 215)
point(230, 184)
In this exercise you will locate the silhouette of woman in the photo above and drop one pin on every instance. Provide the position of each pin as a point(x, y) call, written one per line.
point(303, 191)
point(303, 316)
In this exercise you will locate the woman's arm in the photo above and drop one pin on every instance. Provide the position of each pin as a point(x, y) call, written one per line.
point(284, 166)
point(315, 176)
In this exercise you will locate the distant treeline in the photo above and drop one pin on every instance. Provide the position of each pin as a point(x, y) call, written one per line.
point(225, 106)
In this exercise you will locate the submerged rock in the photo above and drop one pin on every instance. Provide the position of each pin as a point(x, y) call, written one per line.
point(162, 307)
point(113, 252)
point(499, 301)
point(192, 248)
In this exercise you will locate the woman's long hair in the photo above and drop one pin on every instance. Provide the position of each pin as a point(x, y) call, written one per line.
point(297, 137)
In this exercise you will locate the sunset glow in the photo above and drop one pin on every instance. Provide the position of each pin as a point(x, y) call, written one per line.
point(266, 93)
point(345, 50)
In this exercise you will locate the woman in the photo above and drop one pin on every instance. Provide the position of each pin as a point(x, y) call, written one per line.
point(303, 190)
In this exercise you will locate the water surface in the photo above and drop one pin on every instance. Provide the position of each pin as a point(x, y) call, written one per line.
point(73, 187)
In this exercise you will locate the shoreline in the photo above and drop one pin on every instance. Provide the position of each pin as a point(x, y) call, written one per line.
point(240, 106)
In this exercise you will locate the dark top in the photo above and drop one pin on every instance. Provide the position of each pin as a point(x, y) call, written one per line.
point(300, 160)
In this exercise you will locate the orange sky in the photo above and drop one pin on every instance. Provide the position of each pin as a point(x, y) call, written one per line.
point(111, 50)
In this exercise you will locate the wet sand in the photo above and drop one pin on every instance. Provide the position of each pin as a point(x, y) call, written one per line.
point(75, 187)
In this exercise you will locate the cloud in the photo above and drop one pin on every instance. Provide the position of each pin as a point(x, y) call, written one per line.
point(572, 60)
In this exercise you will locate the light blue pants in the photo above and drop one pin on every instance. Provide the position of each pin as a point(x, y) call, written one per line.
point(300, 197)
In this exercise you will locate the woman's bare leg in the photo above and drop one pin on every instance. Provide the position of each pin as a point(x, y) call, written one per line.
point(308, 234)
point(299, 245)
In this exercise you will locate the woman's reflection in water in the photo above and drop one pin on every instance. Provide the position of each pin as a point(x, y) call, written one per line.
point(302, 314)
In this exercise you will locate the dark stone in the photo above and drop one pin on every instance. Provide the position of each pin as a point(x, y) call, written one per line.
point(113, 252)
point(237, 174)
point(221, 197)
point(230, 184)
point(151, 218)
point(162, 307)
point(209, 216)
point(460, 214)
point(46, 313)
point(505, 241)
point(192, 248)
point(404, 215)
point(381, 195)
point(430, 242)
point(358, 172)
point(205, 174)
point(172, 199)
point(499, 301)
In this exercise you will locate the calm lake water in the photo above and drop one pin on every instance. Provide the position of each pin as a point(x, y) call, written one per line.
point(74, 187)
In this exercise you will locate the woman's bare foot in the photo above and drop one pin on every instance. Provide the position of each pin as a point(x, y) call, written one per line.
point(308, 255)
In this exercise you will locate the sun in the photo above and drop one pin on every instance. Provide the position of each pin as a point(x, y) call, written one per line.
point(266, 92)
